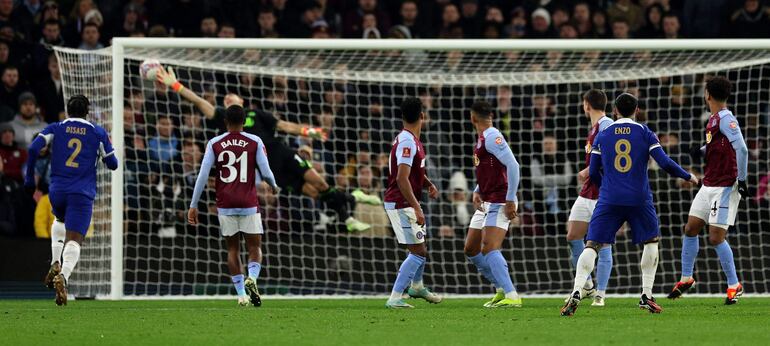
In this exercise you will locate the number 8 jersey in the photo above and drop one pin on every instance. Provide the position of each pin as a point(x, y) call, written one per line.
point(241, 163)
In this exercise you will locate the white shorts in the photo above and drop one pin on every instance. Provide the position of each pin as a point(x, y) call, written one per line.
point(717, 205)
point(582, 209)
point(404, 222)
point(230, 225)
point(492, 216)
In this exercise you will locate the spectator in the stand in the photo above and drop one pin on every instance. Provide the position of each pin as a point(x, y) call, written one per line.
point(704, 18)
point(410, 18)
point(50, 10)
point(6, 10)
point(568, 30)
point(164, 148)
point(320, 29)
point(351, 23)
point(10, 191)
point(27, 123)
point(517, 28)
point(559, 16)
point(10, 90)
point(450, 21)
point(600, 25)
point(628, 11)
point(24, 17)
point(90, 37)
point(371, 214)
point(49, 89)
point(620, 29)
point(267, 21)
point(369, 24)
point(541, 25)
point(76, 23)
point(671, 26)
point(157, 30)
point(12, 155)
point(130, 22)
point(751, 21)
point(456, 209)
point(551, 175)
point(209, 27)
point(309, 14)
point(469, 18)
point(51, 37)
point(5, 55)
point(43, 217)
point(226, 30)
point(581, 17)
point(654, 26)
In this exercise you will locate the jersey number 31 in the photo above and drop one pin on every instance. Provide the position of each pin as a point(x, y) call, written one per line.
point(229, 159)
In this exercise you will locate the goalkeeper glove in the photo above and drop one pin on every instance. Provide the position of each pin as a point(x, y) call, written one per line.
point(315, 133)
point(169, 79)
point(743, 189)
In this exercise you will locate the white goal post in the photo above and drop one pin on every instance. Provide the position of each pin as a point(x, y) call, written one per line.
point(535, 86)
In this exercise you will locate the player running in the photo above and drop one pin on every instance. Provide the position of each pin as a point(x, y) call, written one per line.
point(75, 145)
point(237, 157)
point(724, 184)
point(623, 151)
point(497, 175)
point(594, 104)
point(295, 175)
point(406, 180)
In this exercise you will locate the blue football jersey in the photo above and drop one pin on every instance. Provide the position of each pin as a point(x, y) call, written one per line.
point(76, 146)
point(625, 148)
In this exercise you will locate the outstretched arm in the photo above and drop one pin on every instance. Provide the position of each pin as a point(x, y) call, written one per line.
point(302, 130)
point(668, 165)
point(168, 78)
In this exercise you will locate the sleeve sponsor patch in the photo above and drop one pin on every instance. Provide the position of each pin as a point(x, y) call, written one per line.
point(733, 125)
point(407, 152)
point(499, 140)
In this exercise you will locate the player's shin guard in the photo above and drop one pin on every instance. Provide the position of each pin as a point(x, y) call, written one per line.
point(585, 265)
point(254, 269)
point(649, 264)
point(481, 264)
point(725, 254)
point(604, 268)
point(690, 247)
point(577, 247)
point(499, 268)
point(405, 274)
point(70, 257)
point(58, 234)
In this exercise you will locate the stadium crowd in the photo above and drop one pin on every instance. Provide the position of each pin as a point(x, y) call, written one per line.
point(164, 135)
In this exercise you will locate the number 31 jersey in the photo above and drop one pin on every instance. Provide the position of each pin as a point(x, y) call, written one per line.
point(625, 148)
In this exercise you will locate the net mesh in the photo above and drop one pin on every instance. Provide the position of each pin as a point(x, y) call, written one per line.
point(355, 96)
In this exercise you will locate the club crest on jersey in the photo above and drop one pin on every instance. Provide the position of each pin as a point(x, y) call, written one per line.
point(708, 137)
point(588, 148)
point(407, 152)
point(476, 160)
point(499, 140)
point(420, 235)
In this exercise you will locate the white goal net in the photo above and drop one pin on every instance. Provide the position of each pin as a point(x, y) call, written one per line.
point(354, 94)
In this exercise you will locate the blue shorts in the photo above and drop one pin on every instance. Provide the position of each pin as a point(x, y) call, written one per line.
point(73, 209)
point(608, 218)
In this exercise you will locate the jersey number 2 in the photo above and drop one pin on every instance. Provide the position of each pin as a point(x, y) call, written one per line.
point(622, 156)
point(78, 145)
point(232, 172)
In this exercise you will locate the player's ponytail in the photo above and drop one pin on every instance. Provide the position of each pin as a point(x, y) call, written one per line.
point(77, 106)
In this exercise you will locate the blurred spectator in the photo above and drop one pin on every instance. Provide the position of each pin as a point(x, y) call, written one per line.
point(541, 25)
point(517, 28)
point(450, 22)
point(458, 204)
point(369, 25)
point(10, 191)
point(10, 90)
point(559, 16)
point(51, 37)
point(209, 27)
point(654, 26)
point(309, 14)
point(627, 11)
point(24, 15)
point(581, 17)
point(704, 18)
point(226, 30)
point(157, 31)
point(671, 26)
point(600, 25)
point(371, 214)
point(43, 217)
point(552, 172)
point(90, 37)
point(76, 23)
point(165, 146)
point(469, 18)
point(131, 22)
point(320, 29)
point(13, 155)
point(751, 21)
point(410, 18)
point(568, 31)
point(267, 21)
point(351, 23)
point(27, 123)
point(620, 29)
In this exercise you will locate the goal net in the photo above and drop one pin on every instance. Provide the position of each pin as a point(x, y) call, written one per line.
point(353, 90)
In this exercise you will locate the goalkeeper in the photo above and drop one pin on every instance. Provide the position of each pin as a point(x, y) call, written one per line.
point(293, 174)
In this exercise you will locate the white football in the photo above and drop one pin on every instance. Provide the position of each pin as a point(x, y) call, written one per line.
point(149, 69)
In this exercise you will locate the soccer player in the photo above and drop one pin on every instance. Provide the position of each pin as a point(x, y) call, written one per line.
point(623, 151)
point(406, 180)
point(237, 157)
point(295, 175)
point(724, 184)
point(594, 104)
point(497, 175)
point(75, 145)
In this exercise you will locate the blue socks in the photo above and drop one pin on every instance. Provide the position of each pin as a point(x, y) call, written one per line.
point(603, 268)
point(499, 268)
point(239, 286)
point(690, 252)
point(725, 254)
point(481, 265)
point(254, 268)
point(577, 247)
point(418, 274)
point(406, 273)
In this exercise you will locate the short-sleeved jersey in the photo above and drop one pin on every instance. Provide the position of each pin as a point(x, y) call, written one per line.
point(76, 146)
point(590, 190)
point(234, 156)
point(407, 149)
point(263, 125)
point(721, 165)
point(625, 148)
point(491, 174)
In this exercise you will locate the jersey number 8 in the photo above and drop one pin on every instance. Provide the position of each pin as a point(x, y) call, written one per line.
point(622, 156)
point(233, 172)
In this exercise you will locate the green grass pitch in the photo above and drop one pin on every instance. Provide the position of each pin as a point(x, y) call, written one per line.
point(690, 321)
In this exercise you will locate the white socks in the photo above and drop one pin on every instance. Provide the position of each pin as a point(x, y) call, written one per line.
point(395, 295)
point(58, 233)
point(585, 265)
point(649, 266)
point(70, 258)
point(417, 285)
point(512, 295)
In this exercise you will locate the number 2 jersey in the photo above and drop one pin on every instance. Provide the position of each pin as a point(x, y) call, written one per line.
point(240, 160)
